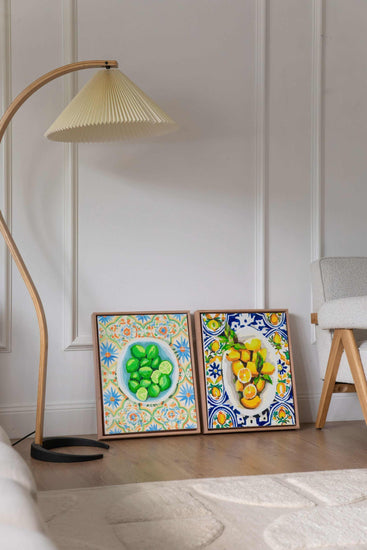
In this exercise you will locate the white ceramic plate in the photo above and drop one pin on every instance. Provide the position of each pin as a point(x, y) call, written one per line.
point(165, 352)
point(268, 394)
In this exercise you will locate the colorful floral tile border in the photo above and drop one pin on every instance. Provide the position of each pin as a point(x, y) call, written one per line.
point(220, 413)
point(122, 416)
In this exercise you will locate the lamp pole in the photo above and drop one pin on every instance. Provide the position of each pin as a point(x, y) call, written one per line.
point(42, 448)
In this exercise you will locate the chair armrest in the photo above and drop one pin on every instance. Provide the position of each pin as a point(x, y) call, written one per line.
point(344, 313)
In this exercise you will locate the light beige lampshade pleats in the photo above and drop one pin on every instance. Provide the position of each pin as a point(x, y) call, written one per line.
point(110, 107)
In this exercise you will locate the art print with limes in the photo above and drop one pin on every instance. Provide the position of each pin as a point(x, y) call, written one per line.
point(145, 379)
point(246, 370)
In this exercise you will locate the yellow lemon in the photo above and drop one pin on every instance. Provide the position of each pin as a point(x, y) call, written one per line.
point(281, 389)
point(249, 391)
point(263, 352)
point(267, 368)
point(250, 365)
point(254, 345)
point(251, 403)
point(215, 345)
point(274, 319)
point(236, 367)
point(277, 338)
point(244, 375)
point(260, 385)
point(238, 386)
point(233, 355)
point(245, 355)
point(215, 392)
point(282, 413)
point(221, 417)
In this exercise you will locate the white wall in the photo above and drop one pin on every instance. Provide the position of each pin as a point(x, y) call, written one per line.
point(172, 223)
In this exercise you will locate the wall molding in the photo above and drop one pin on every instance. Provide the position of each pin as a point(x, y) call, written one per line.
point(316, 139)
point(261, 154)
point(6, 175)
point(72, 339)
point(316, 130)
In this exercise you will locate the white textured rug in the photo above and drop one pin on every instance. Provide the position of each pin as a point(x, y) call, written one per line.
point(280, 512)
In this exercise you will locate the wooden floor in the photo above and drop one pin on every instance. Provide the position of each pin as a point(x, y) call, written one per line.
point(340, 445)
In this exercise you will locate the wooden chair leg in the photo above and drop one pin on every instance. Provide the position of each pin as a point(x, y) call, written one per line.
point(356, 367)
point(336, 352)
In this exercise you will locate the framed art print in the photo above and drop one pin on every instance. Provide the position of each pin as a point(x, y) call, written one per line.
point(145, 376)
point(246, 370)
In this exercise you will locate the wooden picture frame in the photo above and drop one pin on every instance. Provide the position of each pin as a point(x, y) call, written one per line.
point(132, 402)
point(261, 396)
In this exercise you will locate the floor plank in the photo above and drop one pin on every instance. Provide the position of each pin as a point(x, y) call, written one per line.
point(340, 445)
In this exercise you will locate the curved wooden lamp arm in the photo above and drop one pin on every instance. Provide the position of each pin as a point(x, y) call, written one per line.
point(4, 123)
point(41, 323)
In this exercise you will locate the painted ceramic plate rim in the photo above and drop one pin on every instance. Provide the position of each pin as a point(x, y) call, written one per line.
point(174, 376)
point(269, 392)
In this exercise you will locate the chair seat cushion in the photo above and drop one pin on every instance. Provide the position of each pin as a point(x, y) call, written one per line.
point(344, 313)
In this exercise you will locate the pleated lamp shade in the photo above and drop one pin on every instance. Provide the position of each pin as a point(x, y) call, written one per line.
point(110, 108)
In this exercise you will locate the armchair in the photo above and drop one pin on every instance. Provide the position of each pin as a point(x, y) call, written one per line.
point(339, 287)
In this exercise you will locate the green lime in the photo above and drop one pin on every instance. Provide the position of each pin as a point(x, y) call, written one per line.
point(152, 351)
point(155, 363)
point(135, 376)
point(155, 376)
point(145, 383)
point(154, 390)
point(132, 365)
point(145, 362)
point(142, 394)
point(164, 382)
point(145, 372)
point(133, 385)
point(166, 367)
point(138, 351)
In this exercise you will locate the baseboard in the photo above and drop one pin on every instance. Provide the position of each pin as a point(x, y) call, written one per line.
point(80, 418)
point(60, 419)
point(343, 406)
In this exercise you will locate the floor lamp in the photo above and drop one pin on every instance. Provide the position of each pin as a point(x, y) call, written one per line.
point(109, 108)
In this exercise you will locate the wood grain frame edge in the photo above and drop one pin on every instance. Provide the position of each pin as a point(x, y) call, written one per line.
point(97, 377)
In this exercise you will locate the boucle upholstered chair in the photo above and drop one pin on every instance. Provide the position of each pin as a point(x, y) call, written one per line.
point(339, 287)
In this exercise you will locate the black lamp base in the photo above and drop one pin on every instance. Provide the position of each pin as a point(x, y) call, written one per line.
point(45, 452)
